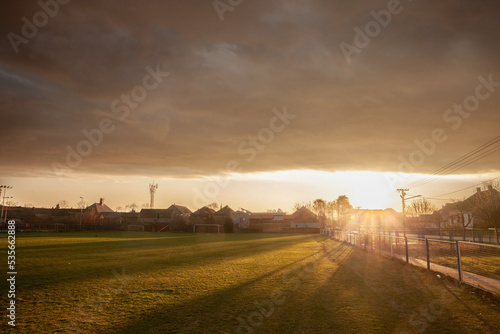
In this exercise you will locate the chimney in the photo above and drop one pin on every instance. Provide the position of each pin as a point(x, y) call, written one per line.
point(478, 190)
point(101, 201)
point(490, 188)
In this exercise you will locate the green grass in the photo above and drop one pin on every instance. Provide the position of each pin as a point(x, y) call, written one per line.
point(133, 282)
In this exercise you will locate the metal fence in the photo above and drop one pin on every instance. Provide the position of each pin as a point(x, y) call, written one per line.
point(473, 263)
point(490, 235)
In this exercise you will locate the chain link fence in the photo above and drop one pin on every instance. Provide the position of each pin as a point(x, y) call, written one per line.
point(473, 263)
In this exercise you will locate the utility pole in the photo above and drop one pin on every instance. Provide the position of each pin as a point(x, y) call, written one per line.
point(403, 194)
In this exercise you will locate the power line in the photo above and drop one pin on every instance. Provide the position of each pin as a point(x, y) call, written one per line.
point(460, 162)
point(479, 184)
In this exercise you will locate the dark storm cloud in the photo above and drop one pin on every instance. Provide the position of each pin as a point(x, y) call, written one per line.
point(225, 78)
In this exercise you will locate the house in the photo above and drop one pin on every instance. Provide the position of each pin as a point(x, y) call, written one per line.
point(375, 219)
point(266, 222)
point(454, 214)
point(301, 221)
point(204, 215)
point(163, 220)
point(221, 215)
point(241, 219)
point(100, 207)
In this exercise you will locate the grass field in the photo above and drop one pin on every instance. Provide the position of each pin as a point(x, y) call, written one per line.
point(136, 282)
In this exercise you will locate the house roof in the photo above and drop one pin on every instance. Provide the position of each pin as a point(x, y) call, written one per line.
point(99, 208)
point(225, 211)
point(452, 208)
point(303, 212)
point(182, 209)
point(203, 211)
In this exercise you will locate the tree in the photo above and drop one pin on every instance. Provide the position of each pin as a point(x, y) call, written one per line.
point(465, 215)
point(486, 206)
point(81, 204)
point(228, 224)
point(213, 206)
point(91, 217)
point(419, 207)
point(274, 210)
point(319, 208)
point(297, 206)
point(63, 204)
point(133, 207)
point(342, 207)
point(330, 209)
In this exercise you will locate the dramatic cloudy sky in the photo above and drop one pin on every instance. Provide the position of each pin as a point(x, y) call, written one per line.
point(351, 120)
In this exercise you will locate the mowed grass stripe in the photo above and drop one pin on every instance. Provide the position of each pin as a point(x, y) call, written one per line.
point(185, 283)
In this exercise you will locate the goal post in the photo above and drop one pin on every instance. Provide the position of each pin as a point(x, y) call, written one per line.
point(207, 228)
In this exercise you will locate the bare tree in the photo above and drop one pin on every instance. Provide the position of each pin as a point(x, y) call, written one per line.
point(319, 208)
point(420, 207)
point(465, 215)
point(274, 210)
point(81, 204)
point(91, 218)
point(133, 207)
point(342, 207)
point(11, 203)
point(63, 204)
point(297, 206)
point(213, 206)
point(330, 210)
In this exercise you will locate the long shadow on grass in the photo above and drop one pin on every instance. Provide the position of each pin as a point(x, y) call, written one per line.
point(96, 260)
point(215, 313)
point(368, 294)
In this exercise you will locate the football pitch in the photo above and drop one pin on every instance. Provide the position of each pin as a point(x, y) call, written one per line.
point(137, 282)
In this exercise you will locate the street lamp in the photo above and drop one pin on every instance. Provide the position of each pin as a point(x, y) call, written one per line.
point(6, 208)
point(3, 202)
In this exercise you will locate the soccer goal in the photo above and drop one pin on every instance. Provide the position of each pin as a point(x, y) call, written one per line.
point(206, 228)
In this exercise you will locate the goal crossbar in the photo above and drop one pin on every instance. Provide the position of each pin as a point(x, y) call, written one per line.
point(213, 225)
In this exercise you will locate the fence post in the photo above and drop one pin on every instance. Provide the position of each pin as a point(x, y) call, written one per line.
point(390, 241)
point(459, 262)
point(406, 245)
point(428, 257)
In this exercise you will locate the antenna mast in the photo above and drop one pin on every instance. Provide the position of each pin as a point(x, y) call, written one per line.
point(152, 190)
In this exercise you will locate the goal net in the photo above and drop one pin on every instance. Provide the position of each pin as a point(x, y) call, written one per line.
point(206, 228)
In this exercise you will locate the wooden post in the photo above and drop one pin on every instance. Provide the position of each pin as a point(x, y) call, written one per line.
point(427, 251)
point(459, 261)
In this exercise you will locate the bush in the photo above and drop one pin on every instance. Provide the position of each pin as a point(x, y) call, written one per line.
point(228, 225)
